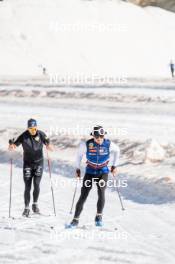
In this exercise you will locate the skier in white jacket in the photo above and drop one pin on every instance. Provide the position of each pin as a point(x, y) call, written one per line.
point(98, 151)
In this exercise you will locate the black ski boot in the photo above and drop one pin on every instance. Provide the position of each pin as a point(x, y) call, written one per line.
point(35, 209)
point(98, 220)
point(26, 212)
point(73, 224)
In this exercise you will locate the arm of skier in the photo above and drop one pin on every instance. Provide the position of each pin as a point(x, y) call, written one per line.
point(15, 143)
point(80, 153)
point(50, 147)
point(46, 142)
point(116, 155)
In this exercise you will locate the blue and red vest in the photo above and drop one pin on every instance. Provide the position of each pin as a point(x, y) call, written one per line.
point(97, 157)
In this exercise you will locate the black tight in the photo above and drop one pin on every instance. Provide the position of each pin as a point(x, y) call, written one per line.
point(32, 171)
point(101, 181)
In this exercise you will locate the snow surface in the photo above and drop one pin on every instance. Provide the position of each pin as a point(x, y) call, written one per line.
point(136, 113)
point(145, 231)
point(75, 37)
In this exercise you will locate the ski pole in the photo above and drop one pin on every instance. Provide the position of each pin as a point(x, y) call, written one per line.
point(120, 198)
point(10, 198)
point(73, 199)
point(50, 175)
point(121, 202)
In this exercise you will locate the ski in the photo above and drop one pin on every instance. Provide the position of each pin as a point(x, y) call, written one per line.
point(89, 228)
point(70, 226)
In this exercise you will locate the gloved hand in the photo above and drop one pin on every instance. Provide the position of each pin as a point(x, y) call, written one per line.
point(78, 173)
point(12, 146)
point(114, 170)
point(11, 141)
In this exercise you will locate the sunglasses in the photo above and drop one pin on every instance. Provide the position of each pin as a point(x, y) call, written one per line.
point(32, 129)
point(99, 136)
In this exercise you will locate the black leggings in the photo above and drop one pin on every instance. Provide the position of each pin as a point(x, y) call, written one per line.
point(100, 181)
point(32, 171)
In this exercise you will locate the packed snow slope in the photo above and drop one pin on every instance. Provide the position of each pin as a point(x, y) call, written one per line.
point(85, 37)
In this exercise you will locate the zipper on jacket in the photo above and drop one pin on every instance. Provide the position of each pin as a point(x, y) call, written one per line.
point(97, 156)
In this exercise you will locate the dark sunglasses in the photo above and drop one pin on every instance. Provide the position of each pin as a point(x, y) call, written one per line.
point(99, 136)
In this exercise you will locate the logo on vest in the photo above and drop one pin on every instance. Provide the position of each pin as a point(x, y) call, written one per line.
point(37, 138)
point(91, 145)
point(103, 151)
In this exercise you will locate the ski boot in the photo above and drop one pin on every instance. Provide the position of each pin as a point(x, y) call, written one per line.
point(35, 208)
point(73, 224)
point(26, 212)
point(98, 220)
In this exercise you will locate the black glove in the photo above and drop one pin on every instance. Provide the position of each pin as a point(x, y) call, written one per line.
point(113, 168)
point(78, 173)
point(11, 141)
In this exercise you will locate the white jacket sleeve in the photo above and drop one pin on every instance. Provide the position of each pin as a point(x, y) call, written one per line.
point(115, 150)
point(80, 153)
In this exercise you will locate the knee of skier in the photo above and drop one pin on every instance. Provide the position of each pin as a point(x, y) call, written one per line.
point(102, 184)
point(27, 187)
point(37, 185)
